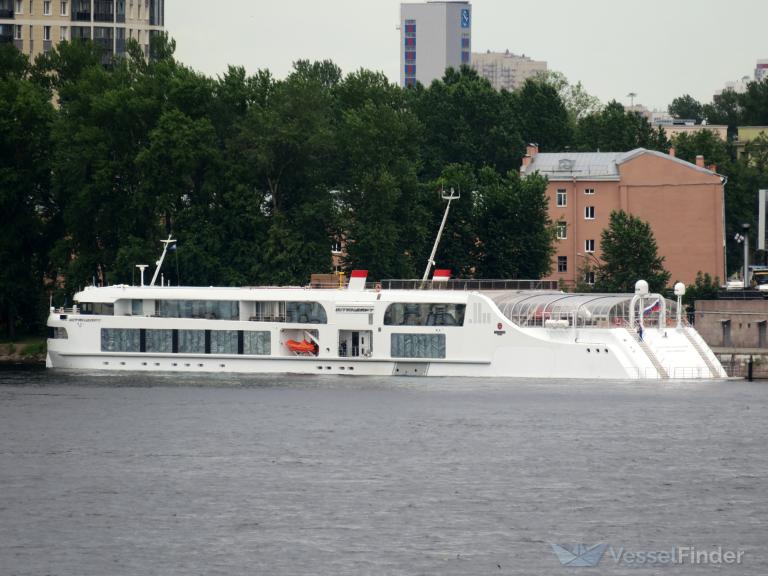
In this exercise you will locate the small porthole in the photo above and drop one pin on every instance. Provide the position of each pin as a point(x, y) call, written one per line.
point(588, 350)
point(606, 350)
point(327, 367)
point(597, 350)
point(157, 363)
point(122, 363)
point(351, 367)
point(199, 365)
point(319, 367)
point(143, 363)
point(187, 365)
point(222, 365)
point(342, 368)
point(105, 363)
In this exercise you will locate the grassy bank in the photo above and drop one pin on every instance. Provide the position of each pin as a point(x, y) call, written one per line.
point(25, 351)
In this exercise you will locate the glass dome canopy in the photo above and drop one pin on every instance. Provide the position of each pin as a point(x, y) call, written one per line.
point(580, 310)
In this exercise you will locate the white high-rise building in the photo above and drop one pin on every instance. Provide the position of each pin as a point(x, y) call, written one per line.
point(433, 36)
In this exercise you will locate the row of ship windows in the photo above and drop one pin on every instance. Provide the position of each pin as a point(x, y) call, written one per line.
point(242, 342)
point(396, 314)
point(245, 342)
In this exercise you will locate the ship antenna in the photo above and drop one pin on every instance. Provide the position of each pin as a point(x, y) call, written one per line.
point(162, 257)
point(431, 262)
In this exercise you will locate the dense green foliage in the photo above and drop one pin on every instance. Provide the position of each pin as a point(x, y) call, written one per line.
point(257, 176)
point(687, 108)
point(629, 252)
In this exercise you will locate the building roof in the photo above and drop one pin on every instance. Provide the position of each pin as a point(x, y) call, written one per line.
point(593, 165)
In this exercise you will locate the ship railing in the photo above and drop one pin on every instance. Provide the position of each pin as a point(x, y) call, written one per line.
point(465, 284)
point(65, 310)
point(674, 372)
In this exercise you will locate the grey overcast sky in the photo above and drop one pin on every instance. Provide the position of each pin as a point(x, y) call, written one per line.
point(659, 49)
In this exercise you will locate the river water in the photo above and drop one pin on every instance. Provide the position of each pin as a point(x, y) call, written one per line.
point(127, 474)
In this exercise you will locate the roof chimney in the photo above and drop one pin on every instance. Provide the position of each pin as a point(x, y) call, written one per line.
point(531, 150)
point(526, 163)
point(672, 151)
point(700, 161)
point(712, 167)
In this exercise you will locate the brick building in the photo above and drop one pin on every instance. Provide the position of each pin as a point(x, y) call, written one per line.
point(683, 203)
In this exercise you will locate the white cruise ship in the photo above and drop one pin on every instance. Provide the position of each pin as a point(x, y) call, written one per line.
point(443, 328)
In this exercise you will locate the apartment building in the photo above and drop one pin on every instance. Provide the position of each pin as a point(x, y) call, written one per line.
point(434, 36)
point(505, 70)
point(682, 202)
point(35, 26)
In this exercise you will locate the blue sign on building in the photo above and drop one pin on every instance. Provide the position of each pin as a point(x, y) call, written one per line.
point(465, 18)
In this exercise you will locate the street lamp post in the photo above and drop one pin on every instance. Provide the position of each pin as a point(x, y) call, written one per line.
point(745, 228)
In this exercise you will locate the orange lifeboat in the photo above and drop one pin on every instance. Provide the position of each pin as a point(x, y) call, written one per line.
point(303, 347)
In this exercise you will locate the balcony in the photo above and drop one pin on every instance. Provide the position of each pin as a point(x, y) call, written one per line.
point(5, 13)
point(81, 16)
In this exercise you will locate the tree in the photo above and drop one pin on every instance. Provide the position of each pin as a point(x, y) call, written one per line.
point(629, 254)
point(26, 119)
point(754, 104)
point(515, 237)
point(725, 109)
point(466, 121)
point(687, 108)
point(543, 116)
point(703, 142)
point(615, 130)
point(578, 102)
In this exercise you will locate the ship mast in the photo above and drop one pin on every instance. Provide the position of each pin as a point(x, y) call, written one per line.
point(431, 261)
point(162, 258)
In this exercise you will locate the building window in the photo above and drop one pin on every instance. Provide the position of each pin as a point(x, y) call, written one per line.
point(562, 198)
point(17, 32)
point(465, 57)
point(410, 28)
point(589, 278)
point(761, 334)
point(46, 32)
point(31, 5)
point(336, 247)
point(19, 6)
point(64, 8)
point(410, 82)
point(465, 42)
point(562, 263)
point(589, 245)
point(589, 191)
point(410, 56)
point(589, 212)
point(410, 69)
point(410, 42)
point(47, 8)
point(562, 231)
point(63, 34)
